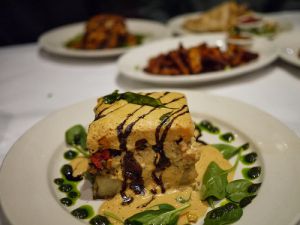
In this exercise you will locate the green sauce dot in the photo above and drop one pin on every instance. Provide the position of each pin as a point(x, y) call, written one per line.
point(67, 171)
point(70, 154)
point(208, 126)
point(100, 220)
point(83, 212)
point(65, 187)
point(73, 194)
point(246, 201)
point(250, 158)
point(227, 137)
point(80, 213)
point(66, 201)
point(253, 188)
point(58, 181)
point(252, 173)
point(245, 146)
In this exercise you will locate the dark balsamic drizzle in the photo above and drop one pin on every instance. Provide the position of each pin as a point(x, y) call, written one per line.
point(99, 115)
point(123, 136)
point(132, 171)
point(199, 140)
point(98, 106)
point(141, 144)
point(161, 161)
point(179, 140)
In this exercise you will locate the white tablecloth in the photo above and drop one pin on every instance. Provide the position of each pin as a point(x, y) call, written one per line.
point(34, 84)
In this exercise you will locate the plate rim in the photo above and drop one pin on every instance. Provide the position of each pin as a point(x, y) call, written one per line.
point(270, 120)
point(195, 78)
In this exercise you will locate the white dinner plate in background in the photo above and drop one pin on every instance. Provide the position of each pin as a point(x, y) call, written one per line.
point(27, 193)
point(289, 47)
point(54, 40)
point(176, 23)
point(132, 63)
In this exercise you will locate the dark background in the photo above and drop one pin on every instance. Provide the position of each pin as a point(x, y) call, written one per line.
point(22, 21)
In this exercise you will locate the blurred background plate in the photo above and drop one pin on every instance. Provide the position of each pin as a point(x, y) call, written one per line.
point(284, 22)
point(54, 40)
point(132, 63)
point(289, 47)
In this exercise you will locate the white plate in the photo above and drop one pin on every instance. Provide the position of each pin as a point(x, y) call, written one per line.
point(175, 23)
point(26, 178)
point(54, 40)
point(289, 47)
point(132, 63)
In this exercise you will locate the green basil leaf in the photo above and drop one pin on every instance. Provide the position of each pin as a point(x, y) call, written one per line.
point(214, 182)
point(227, 151)
point(133, 98)
point(164, 215)
point(139, 99)
point(223, 215)
point(76, 135)
point(167, 207)
point(238, 189)
point(111, 98)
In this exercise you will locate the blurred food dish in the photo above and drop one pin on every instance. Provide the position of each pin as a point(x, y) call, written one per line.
point(198, 59)
point(220, 18)
point(105, 31)
point(101, 36)
point(133, 63)
point(228, 17)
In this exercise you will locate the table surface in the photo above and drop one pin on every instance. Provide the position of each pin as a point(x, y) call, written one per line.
point(34, 84)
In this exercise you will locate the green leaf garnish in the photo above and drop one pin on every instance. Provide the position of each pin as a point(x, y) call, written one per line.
point(164, 215)
point(228, 151)
point(76, 137)
point(223, 215)
point(238, 189)
point(214, 182)
point(111, 98)
point(133, 98)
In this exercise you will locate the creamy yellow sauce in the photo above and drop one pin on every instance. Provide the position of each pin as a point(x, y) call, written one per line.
point(195, 211)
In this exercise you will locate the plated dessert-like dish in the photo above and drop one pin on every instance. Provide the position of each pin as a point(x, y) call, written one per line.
point(147, 159)
point(105, 31)
point(199, 59)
